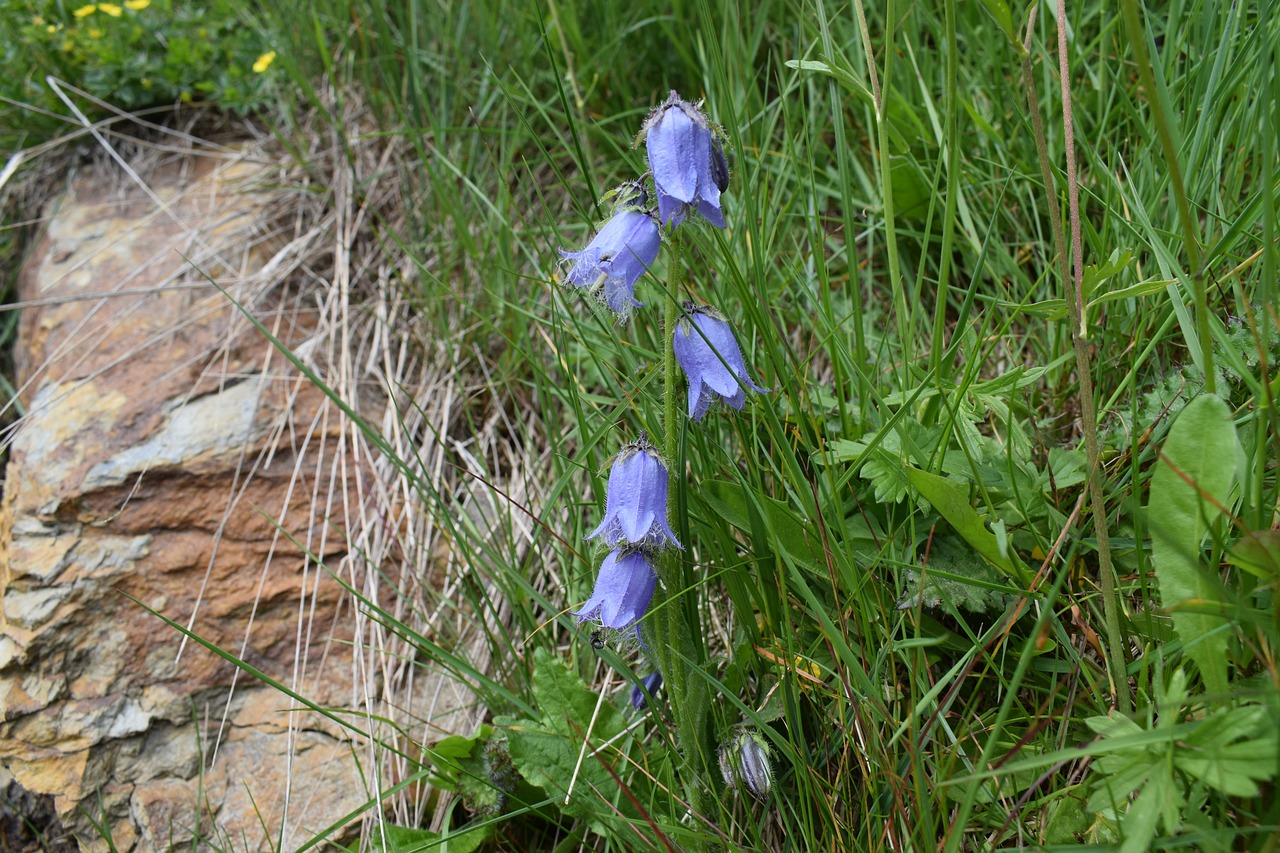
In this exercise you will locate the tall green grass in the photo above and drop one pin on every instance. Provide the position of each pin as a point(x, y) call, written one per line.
point(898, 571)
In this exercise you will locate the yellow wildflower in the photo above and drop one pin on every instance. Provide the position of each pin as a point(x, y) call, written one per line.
point(264, 62)
point(67, 45)
point(95, 33)
point(50, 29)
point(110, 9)
point(85, 11)
point(137, 5)
point(38, 20)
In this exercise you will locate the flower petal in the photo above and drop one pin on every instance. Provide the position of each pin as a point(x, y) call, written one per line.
point(624, 587)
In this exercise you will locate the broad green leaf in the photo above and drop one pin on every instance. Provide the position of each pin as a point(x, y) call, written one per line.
point(952, 503)
point(1192, 480)
point(546, 751)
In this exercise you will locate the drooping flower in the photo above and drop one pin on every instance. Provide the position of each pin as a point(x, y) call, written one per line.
point(635, 506)
point(744, 761)
point(623, 590)
point(708, 353)
point(618, 255)
point(687, 161)
point(640, 697)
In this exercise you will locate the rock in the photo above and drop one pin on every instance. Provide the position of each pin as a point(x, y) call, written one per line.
point(163, 440)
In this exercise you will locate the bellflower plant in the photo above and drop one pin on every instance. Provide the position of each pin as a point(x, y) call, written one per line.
point(685, 151)
point(623, 590)
point(687, 161)
point(708, 353)
point(636, 500)
point(611, 264)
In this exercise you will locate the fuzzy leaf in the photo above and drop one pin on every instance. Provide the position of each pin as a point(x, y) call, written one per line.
point(957, 576)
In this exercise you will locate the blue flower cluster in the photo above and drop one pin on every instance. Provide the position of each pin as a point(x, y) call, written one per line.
point(634, 526)
point(689, 173)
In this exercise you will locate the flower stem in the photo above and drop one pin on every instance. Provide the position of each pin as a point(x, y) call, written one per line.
point(676, 639)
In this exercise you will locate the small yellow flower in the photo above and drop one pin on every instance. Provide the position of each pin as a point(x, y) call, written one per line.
point(137, 5)
point(264, 62)
point(95, 33)
point(67, 45)
point(38, 20)
point(110, 9)
point(85, 11)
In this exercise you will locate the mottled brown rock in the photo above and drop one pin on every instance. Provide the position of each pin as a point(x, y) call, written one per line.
point(164, 441)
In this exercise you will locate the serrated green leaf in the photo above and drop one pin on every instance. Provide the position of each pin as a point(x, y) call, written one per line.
point(1113, 725)
point(957, 576)
point(546, 751)
point(1139, 824)
point(1192, 479)
point(952, 503)
point(887, 477)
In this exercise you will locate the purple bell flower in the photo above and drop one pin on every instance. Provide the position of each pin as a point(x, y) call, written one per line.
point(708, 353)
point(640, 697)
point(623, 590)
point(615, 259)
point(635, 507)
point(687, 161)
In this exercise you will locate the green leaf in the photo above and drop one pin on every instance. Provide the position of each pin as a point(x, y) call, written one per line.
point(1258, 552)
point(1142, 288)
point(546, 751)
point(844, 77)
point(1097, 274)
point(1192, 480)
point(952, 503)
point(1231, 749)
point(791, 534)
point(999, 11)
point(957, 576)
point(403, 839)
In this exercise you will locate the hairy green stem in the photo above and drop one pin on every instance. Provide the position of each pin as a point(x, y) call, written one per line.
point(676, 638)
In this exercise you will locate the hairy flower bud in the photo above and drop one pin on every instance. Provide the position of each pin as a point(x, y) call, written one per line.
point(744, 762)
